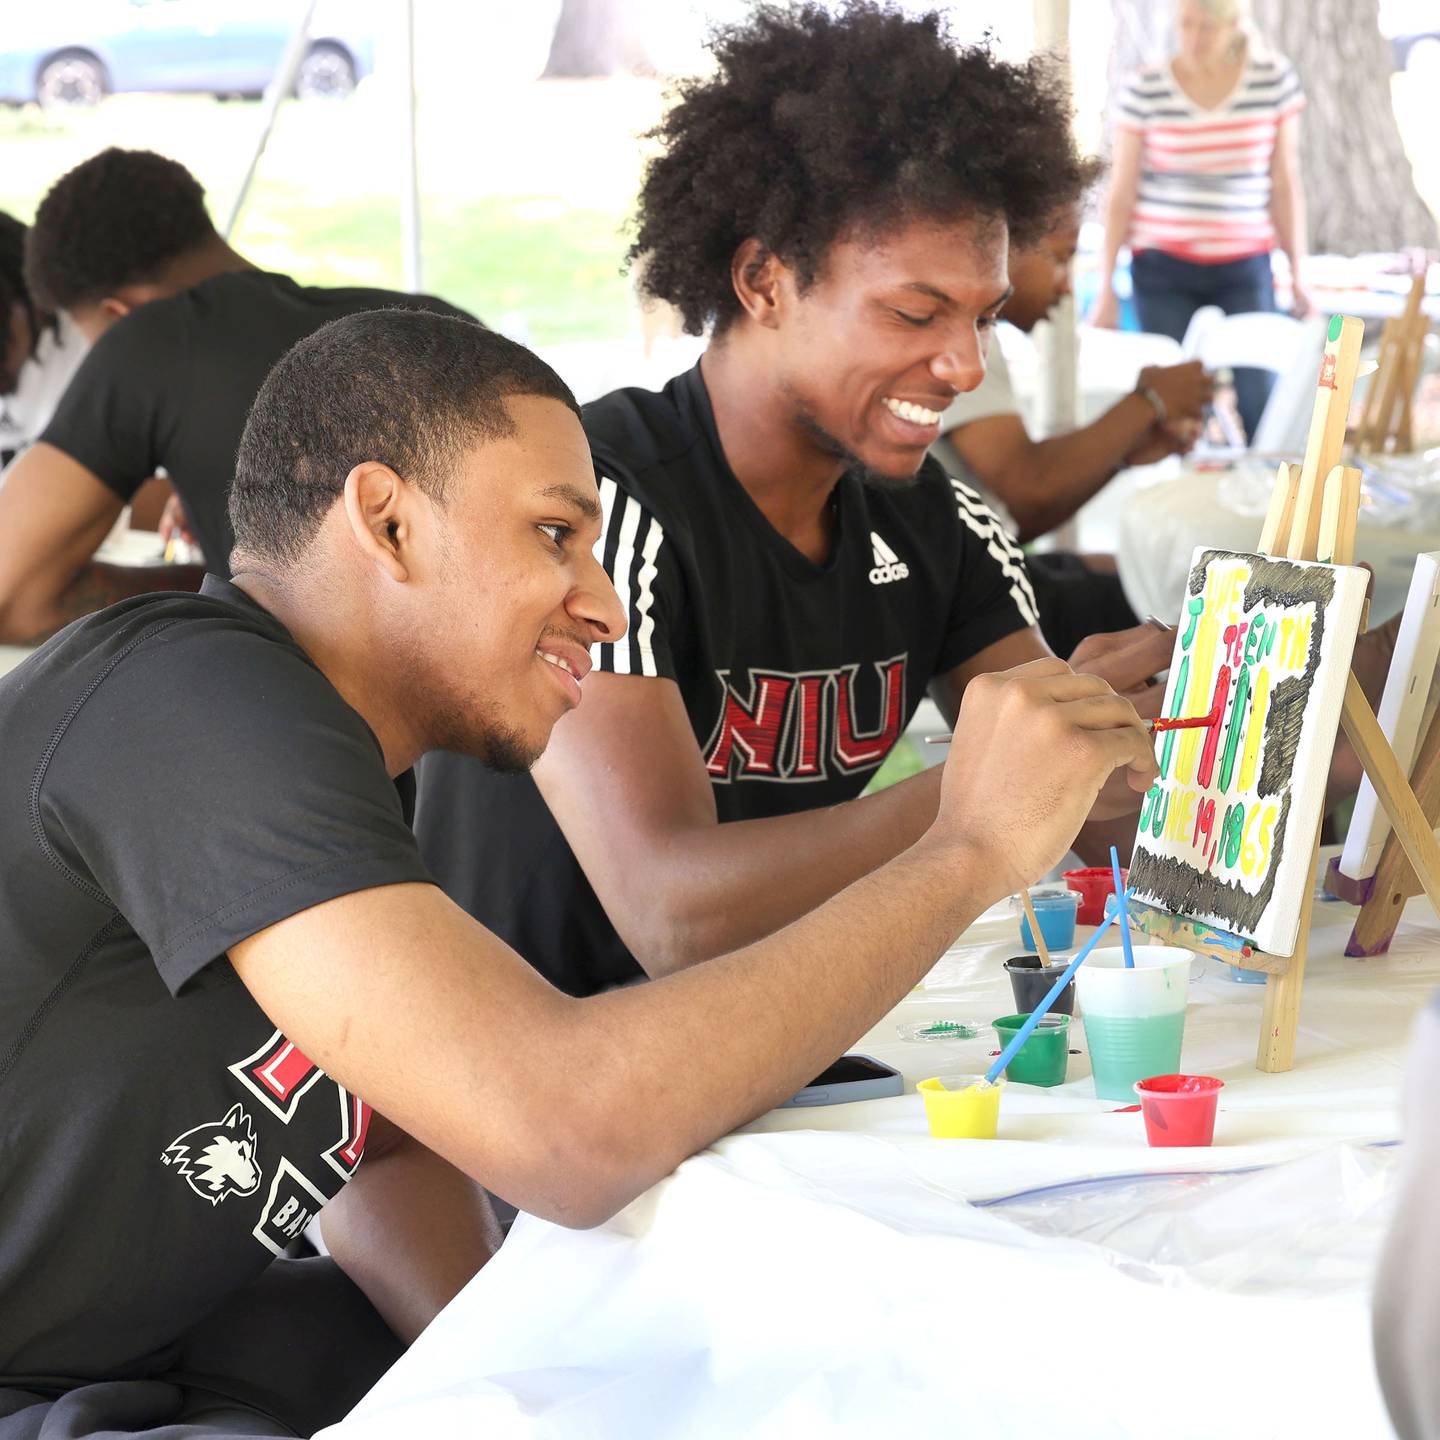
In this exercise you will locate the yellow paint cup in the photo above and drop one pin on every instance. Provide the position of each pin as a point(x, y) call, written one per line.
point(969, 1112)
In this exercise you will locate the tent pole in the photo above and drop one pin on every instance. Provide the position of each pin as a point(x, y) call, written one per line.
point(410, 261)
point(282, 83)
point(1059, 346)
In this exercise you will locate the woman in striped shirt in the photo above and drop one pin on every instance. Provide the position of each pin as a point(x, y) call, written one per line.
point(1206, 182)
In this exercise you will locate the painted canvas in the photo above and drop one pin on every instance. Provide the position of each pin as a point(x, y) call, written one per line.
point(1225, 834)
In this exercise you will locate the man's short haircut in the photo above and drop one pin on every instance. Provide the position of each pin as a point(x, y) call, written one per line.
point(816, 127)
point(409, 388)
point(119, 218)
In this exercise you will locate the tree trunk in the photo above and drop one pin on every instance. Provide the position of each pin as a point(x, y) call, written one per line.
point(592, 38)
point(1358, 182)
point(1359, 187)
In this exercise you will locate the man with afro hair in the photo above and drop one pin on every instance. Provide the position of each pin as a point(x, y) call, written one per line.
point(834, 204)
point(183, 331)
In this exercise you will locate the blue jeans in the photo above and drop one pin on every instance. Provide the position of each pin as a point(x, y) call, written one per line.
point(1168, 291)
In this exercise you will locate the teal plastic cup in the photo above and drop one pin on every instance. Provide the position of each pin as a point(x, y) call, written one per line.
point(1134, 1019)
point(1042, 1059)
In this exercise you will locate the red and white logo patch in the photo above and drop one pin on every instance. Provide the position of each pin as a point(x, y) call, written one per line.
point(277, 1074)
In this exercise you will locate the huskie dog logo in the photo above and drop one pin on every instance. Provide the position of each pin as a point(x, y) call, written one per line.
point(218, 1158)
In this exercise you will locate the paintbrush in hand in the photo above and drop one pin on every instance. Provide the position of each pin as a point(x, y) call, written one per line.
point(1184, 722)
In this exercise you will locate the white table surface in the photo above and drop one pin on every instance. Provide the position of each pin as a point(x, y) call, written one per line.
point(1161, 524)
point(837, 1272)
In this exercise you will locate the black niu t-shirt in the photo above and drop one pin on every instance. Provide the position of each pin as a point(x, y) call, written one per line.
point(797, 678)
point(170, 386)
point(178, 775)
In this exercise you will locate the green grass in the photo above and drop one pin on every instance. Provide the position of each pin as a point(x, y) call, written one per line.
point(900, 764)
point(558, 266)
point(542, 240)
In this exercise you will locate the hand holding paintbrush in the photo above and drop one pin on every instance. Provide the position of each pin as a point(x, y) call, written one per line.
point(1155, 727)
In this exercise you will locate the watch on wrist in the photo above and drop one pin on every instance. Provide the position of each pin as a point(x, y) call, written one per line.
point(1154, 402)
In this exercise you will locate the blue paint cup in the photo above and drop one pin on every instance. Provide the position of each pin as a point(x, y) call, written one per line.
point(1247, 977)
point(1055, 909)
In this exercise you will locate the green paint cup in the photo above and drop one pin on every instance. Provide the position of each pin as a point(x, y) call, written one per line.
point(1042, 1059)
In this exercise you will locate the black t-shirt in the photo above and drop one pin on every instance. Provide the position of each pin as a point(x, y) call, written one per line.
point(178, 774)
point(171, 384)
point(797, 678)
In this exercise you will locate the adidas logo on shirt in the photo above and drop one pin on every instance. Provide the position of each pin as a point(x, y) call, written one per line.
point(888, 565)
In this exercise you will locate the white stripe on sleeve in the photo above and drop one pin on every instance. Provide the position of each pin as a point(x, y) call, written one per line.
point(608, 491)
point(620, 576)
point(980, 520)
point(645, 630)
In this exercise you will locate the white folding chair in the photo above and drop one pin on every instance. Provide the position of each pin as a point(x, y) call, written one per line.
point(1260, 340)
point(1110, 362)
point(1284, 423)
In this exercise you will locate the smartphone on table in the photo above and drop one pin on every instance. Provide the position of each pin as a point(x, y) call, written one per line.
point(851, 1077)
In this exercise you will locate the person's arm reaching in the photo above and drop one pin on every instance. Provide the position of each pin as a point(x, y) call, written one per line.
point(409, 1229)
point(1287, 207)
point(570, 1108)
point(1044, 482)
point(1119, 207)
point(54, 513)
point(679, 886)
point(645, 829)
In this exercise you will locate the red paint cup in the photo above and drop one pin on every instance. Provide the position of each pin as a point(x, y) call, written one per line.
point(1093, 884)
point(1179, 1109)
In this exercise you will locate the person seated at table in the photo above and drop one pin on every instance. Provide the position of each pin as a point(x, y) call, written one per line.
point(1035, 486)
point(183, 331)
point(227, 974)
point(835, 201)
point(38, 351)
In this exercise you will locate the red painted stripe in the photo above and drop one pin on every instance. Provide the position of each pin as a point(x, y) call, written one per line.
point(1212, 736)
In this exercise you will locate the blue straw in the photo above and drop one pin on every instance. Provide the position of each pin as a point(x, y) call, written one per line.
point(1124, 914)
point(1039, 1012)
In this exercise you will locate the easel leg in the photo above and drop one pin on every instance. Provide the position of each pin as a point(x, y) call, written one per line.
point(1281, 1018)
point(1412, 828)
point(1395, 879)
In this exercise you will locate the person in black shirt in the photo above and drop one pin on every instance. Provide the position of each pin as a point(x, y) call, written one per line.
point(183, 331)
point(835, 203)
point(225, 973)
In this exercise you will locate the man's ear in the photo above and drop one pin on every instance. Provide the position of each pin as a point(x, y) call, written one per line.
point(375, 515)
point(760, 279)
point(114, 308)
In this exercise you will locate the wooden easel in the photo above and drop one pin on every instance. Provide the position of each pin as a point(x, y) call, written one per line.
point(1386, 420)
point(1312, 516)
point(1383, 895)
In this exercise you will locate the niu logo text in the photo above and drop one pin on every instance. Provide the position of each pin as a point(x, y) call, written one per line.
point(796, 727)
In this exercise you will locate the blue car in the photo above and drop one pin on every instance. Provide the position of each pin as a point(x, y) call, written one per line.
point(74, 52)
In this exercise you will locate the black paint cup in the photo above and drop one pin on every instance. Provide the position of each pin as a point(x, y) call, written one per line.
point(1031, 983)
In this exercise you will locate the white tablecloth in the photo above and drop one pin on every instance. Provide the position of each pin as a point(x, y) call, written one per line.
point(837, 1272)
point(1161, 524)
